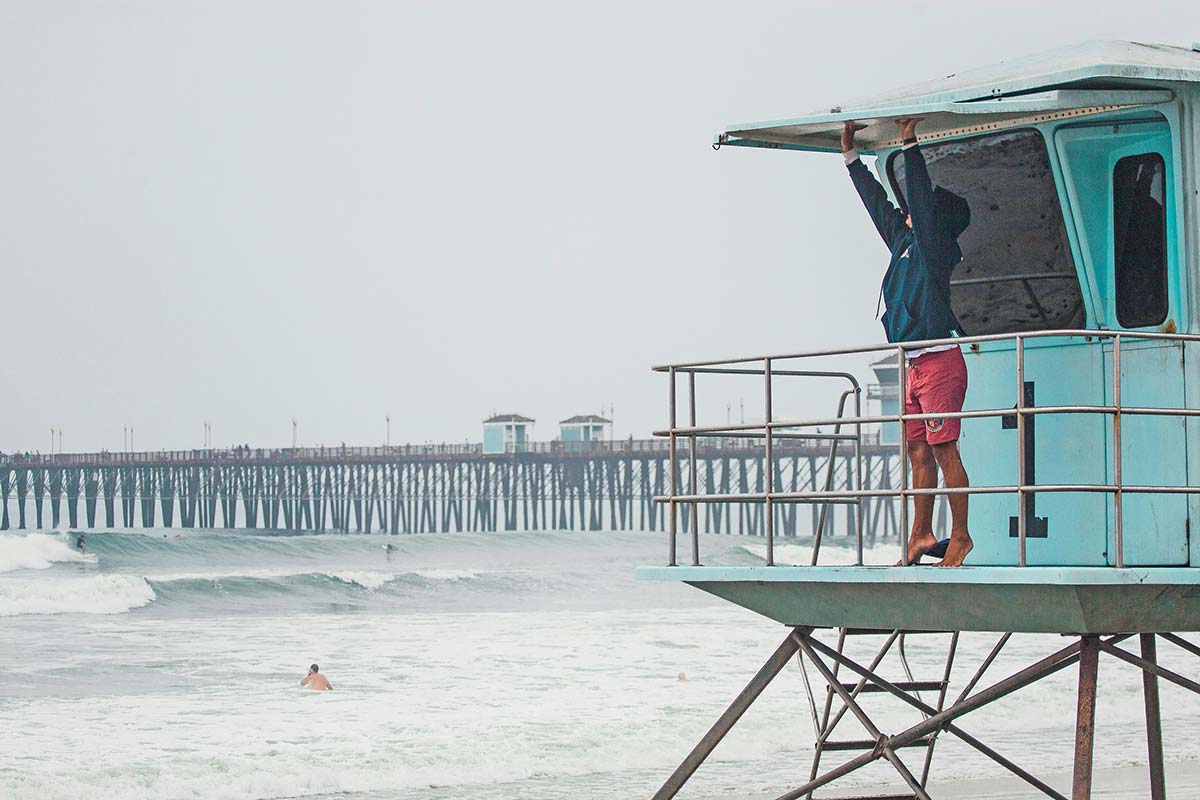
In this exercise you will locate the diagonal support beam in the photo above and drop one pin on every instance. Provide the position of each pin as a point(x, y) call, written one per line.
point(882, 745)
point(1152, 668)
point(827, 727)
point(1179, 641)
point(841, 712)
point(1052, 663)
point(954, 729)
point(727, 720)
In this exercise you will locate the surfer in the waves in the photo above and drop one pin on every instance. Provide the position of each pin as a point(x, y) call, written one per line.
point(315, 680)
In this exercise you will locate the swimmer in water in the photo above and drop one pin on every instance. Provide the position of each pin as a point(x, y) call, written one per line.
point(315, 680)
point(79, 545)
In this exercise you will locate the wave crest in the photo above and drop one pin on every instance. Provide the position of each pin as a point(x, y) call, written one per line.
point(90, 594)
point(37, 551)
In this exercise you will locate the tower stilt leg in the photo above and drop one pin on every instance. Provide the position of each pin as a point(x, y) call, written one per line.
point(1085, 719)
point(1158, 790)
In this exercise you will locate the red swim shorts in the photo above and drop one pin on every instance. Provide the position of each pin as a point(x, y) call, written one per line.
point(935, 382)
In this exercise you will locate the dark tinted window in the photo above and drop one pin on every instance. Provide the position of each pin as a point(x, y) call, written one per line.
point(1016, 273)
point(1140, 240)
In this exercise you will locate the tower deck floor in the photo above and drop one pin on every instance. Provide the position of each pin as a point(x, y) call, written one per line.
point(1075, 600)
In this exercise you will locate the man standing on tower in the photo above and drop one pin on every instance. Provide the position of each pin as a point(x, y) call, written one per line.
point(916, 297)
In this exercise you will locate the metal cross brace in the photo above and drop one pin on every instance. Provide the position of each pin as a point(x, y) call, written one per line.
point(1085, 651)
point(936, 720)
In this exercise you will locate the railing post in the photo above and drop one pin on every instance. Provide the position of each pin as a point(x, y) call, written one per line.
point(901, 381)
point(768, 463)
point(692, 488)
point(1021, 476)
point(858, 479)
point(1117, 477)
point(671, 466)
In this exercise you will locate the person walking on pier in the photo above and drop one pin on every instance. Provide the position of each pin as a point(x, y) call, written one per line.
point(916, 298)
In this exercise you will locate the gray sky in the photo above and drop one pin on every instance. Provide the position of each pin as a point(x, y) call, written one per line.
point(245, 212)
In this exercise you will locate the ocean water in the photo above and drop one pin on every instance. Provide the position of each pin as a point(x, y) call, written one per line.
point(492, 666)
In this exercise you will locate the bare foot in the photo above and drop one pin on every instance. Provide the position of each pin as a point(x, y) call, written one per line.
point(918, 546)
point(957, 551)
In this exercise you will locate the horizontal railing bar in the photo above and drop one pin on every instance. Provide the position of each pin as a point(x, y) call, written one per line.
point(959, 340)
point(793, 373)
point(982, 413)
point(847, 494)
point(842, 437)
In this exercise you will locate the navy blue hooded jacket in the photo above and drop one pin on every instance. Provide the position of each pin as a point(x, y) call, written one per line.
point(916, 286)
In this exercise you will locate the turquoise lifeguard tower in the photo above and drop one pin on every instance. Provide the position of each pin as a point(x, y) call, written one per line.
point(886, 391)
point(1079, 296)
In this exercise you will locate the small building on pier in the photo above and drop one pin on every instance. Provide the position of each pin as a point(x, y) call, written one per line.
point(577, 430)
point(506, 433)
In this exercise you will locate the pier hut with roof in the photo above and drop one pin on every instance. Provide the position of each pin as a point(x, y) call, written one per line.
point(506, 433)
point(579, 431)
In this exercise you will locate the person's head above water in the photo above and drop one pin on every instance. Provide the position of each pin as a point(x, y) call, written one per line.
point(314, 668)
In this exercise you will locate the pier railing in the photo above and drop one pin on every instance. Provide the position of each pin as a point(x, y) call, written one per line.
point(767, 369)
point(265, 455)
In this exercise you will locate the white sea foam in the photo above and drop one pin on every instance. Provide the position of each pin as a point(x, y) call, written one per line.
point(447, 574)
point(37, 551)
point(86, 594)
point(367, 580)
point(228, 574)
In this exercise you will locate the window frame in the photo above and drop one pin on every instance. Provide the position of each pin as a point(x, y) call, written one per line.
point(1164, 293)
point(1046, 138)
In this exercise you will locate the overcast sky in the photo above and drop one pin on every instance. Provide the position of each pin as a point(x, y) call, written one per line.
point(245, 212)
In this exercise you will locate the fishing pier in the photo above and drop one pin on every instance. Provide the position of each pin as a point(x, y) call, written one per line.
point(557, 485)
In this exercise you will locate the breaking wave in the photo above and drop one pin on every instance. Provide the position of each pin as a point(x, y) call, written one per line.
point(84, 594)
point(116, 593)
point(38, 551)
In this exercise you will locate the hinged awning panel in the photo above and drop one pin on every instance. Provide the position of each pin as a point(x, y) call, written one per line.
point(942, 119)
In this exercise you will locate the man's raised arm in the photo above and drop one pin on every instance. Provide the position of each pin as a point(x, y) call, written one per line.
point(918, 189)
point(888, 219)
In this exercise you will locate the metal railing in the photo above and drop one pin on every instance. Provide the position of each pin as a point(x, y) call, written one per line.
point(734, 442)
point(744, 430)
point(1022, 488)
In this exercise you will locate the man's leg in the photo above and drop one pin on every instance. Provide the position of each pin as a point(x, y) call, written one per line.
point(943, 391)
point(924, 476)
point(956, 477)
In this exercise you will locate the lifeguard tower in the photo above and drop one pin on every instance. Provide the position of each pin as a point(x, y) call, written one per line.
point(1079, 295)
point(886, 391)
